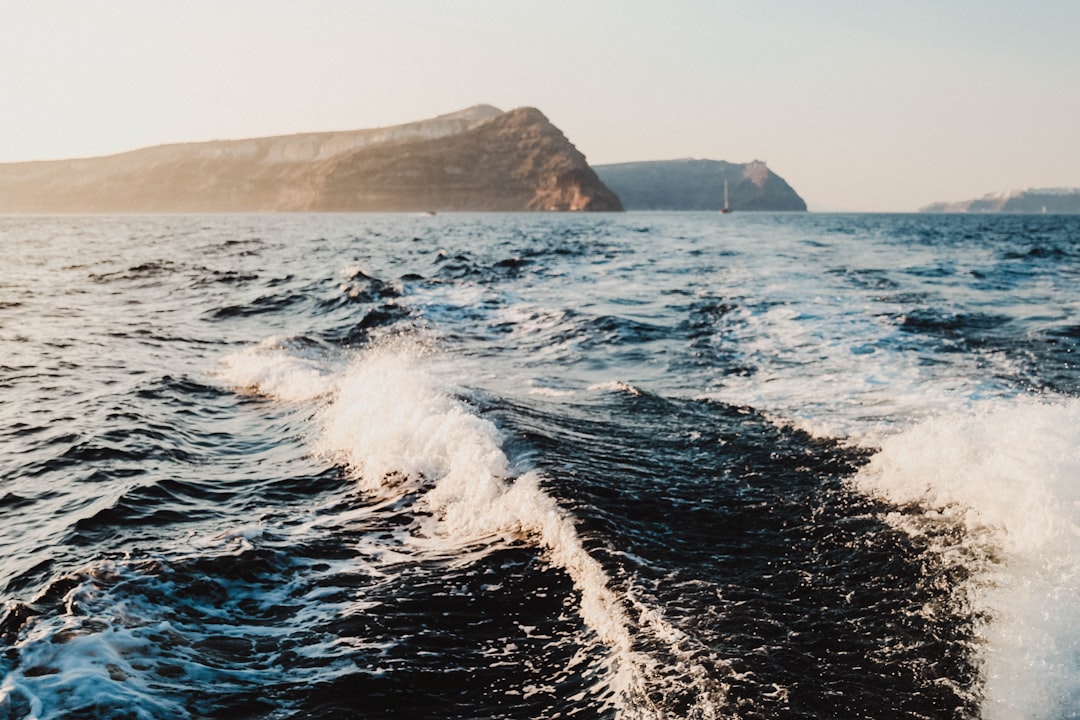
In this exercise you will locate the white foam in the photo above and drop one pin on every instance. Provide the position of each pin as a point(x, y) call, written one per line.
point(95, 669)
point(398, 429)
point(615, 386)
point(282, 368)
point(835, 370)
point(109, 653)
point(545, 391)
point(1009, 474)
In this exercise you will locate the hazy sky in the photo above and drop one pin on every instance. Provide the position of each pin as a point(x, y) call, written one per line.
point(860, 105)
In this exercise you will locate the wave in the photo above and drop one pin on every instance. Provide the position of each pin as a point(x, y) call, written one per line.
point(294, 369)
point(1005, 475)
point(405, 434)
point(153, 638)
point(398, 432)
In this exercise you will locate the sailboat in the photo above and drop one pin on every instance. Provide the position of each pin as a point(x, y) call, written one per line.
point(726, 208)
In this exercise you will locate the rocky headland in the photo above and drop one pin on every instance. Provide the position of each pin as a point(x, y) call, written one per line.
point(691, 184)
point(479, 159)
point(1046, 200)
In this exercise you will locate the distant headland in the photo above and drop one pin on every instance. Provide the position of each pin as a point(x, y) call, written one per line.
point(478, 159)
point(1046, 200)
point(691, 184)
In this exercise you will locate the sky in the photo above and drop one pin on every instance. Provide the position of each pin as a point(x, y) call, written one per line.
point(859, 105)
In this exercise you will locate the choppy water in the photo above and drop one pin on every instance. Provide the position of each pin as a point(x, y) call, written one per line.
point(540, 466)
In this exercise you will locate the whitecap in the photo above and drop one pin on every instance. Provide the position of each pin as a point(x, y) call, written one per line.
point(1008, 474)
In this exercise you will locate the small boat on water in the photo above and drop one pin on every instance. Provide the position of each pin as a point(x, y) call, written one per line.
point(726, 208)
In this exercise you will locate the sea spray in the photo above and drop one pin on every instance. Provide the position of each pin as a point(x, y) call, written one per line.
point(1009, 476)
point(290, 369)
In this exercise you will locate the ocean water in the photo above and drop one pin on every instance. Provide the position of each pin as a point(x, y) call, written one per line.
point(540, 466)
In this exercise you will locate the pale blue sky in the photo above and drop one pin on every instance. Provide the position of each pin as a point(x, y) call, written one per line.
point(859, 105)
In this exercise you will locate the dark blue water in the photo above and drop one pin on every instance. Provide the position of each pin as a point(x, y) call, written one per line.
point(539, 466)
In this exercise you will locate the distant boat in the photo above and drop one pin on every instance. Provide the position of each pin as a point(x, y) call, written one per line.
point(726, 208)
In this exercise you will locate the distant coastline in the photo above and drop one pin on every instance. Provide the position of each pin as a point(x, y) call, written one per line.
point(692, 184)
point(1031, 201)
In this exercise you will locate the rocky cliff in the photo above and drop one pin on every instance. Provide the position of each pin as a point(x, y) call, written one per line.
point(476, 159)
point(516, 161)
point(698, 185)
point(1050, 200)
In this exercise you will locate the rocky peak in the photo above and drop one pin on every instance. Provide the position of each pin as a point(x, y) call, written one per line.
point(517, 160)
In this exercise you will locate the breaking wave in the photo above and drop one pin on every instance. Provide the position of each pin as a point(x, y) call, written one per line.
point(1005, 475)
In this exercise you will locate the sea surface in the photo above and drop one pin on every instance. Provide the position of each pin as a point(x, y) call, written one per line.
point(635, 465)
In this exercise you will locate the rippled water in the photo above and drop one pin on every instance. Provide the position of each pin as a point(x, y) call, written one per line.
point(626, 466)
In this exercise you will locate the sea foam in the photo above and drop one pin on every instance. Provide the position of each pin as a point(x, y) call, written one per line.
point(1009, 475)
point(291, 369)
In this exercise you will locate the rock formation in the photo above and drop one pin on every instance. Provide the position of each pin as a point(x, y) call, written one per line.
point(516, 161)
point(698, 185)
point(1049, 200)
point(476, 159)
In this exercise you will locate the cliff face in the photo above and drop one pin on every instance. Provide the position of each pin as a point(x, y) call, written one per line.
point(699, 185)
point(476, 159)
point(1054, 200)
point(516, 161)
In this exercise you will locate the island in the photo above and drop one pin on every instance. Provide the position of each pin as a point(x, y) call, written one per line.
point(691, 184)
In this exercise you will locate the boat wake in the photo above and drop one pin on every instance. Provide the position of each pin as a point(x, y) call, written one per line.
point(995, 492)
point(409, 438)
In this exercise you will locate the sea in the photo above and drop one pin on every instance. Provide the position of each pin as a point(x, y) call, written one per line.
point(625, 466)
